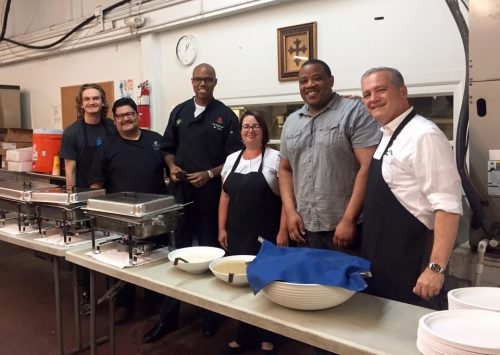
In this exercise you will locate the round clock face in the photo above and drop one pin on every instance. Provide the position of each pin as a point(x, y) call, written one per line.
point(186, 50)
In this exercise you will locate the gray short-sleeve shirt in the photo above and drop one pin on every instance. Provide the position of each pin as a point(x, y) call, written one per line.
point(320, 151)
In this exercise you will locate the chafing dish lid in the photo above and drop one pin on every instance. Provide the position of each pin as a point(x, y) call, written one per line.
point(65, 196)
point(21, 190)
point(131, 203)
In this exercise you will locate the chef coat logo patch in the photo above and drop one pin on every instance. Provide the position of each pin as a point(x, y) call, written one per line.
point(156, 146)
point(218, 124)
point(178, 122)
point(98, 141)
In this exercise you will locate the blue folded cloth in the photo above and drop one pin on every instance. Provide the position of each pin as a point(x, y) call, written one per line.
point(306, 266)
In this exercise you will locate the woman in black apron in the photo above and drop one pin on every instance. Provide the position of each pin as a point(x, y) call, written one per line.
point(251, 207)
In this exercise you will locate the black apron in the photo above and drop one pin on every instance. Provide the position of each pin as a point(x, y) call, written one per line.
point(86, 157)
point(254, 210)
point(394, 240)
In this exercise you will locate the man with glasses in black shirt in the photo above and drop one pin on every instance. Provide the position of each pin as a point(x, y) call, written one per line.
point(130, 161)
point(200, 134)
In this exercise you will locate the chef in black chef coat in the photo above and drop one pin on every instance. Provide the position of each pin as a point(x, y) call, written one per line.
point(131, 161)
point(413, 197)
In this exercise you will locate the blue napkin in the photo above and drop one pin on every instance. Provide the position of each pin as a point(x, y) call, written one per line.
point(307, 266)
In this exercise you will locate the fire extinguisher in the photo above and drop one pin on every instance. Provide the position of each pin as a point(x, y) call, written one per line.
point(143, 106)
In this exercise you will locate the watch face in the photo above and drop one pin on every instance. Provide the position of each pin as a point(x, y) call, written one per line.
point(187, 49)
point(436, 268)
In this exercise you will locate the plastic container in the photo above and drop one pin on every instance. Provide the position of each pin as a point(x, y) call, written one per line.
point(46, 145)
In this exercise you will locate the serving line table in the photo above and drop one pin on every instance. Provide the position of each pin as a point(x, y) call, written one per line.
point(363, 325)
point(55, 253)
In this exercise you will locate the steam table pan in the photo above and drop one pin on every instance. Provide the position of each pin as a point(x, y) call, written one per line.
point(62, 196)
point(132, 204)
point(20, 190)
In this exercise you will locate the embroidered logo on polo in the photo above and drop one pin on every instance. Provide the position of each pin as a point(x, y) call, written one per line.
point(218, 124)
point(98, 141)
point(156, 146)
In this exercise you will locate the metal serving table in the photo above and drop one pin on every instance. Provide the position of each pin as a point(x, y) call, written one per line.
point(363, 325)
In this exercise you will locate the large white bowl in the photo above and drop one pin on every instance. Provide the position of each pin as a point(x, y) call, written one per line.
point(237, 279)
point(306, 296)
point(195, 259)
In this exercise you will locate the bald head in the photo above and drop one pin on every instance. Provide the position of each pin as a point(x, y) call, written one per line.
point(207, 68)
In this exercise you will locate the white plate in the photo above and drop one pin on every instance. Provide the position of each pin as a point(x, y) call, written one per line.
point(487, 298)
point(470, 330)
point(426, 349)
point(235, 279)
point(195, 259)
point(440, 347)
point(306, 296)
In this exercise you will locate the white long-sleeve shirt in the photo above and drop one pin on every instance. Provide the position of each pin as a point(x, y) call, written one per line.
point(419, 168)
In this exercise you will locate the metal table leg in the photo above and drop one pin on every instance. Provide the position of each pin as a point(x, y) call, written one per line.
point(76, 303)
point(57, 285)
point(93, 345)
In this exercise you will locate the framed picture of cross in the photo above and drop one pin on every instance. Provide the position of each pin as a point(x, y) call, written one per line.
point(296, 44)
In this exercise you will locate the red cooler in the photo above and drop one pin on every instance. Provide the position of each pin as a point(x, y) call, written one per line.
point(46, 145)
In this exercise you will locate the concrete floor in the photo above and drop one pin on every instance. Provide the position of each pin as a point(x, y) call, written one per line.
point(27, 316)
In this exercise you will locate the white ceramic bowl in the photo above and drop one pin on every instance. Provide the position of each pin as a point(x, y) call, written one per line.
point(306, 296)
point(195, 259)
point(227, 275)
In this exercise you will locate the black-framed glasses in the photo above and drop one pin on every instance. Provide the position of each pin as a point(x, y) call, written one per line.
point(209, 80)
point(247, 127)
point(120, 116)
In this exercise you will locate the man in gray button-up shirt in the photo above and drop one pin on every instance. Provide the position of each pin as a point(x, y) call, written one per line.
point(326, 148)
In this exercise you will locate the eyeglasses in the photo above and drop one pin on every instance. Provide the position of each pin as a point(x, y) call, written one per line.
point(120, 116)
point(209, 80)
point(247, 127)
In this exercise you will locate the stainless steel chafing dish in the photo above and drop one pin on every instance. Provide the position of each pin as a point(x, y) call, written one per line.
point(62, 204)
point(139, 215)
point(15, 190)
point(15, 194)
point(136, 215)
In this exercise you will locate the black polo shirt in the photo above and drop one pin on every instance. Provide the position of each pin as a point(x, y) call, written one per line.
point(128, 165)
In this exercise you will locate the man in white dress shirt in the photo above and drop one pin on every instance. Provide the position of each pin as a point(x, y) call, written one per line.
point(413, 190)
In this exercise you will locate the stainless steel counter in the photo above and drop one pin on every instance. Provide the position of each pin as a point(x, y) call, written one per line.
point(363, 325)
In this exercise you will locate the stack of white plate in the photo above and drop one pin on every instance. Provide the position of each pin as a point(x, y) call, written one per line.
point(459, 332)
point(486, 298)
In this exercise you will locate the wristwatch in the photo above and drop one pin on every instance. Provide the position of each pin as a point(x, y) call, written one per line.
point(436, 268)
point(210, 174)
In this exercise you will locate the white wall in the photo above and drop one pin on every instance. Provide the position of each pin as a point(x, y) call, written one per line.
point(417, 36)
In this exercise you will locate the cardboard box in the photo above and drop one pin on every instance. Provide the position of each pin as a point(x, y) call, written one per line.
point(14, 145)
point(21, 154)
point(19, 165)
point(18, 135)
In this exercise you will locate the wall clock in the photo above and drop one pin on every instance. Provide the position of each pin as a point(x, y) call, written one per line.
point(186, 49)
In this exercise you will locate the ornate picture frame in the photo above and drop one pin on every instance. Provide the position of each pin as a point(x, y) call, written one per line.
point(296, 44)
